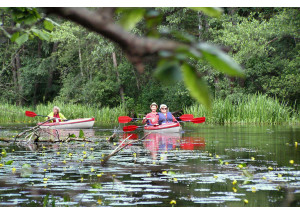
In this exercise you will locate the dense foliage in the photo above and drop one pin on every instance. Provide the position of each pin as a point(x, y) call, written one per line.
point(63, 62)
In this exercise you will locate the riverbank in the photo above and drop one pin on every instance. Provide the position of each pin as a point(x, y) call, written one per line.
point(251, 109)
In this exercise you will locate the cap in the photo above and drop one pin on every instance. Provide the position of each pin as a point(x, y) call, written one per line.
point(163, 106)
point(153, 104)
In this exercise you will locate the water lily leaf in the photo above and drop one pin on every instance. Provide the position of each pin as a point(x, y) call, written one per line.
point(22, 39)
point(130, 17)
point(72, 135)
point(96, 186)
point(219, 60)
point(26, 165)
point(81, 134)
point(210, 11)
point(197, 87)
point(247, 174)
point(168, 71)
point(9, 162)
point(26, 171)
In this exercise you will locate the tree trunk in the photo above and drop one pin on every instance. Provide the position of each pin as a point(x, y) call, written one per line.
point(19, 84)
point(51, 71)
point(121, 90)
point(80, 60)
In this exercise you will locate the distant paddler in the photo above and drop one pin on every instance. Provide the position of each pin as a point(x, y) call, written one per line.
point(56, 116)
point(151, 118)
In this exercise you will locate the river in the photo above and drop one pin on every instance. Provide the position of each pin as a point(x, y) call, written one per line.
point(205, 165)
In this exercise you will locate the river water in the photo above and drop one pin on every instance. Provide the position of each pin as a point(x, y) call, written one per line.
point(205, 165)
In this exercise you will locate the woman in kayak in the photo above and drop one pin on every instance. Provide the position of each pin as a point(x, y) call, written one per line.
point(165, 116)
point(56, 115)
point(151, 118)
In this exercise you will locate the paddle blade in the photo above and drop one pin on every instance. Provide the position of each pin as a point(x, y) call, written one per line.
point(186, 117)
point(198, 120)
point(30, 114)
point(124, 119)
point(130, 128)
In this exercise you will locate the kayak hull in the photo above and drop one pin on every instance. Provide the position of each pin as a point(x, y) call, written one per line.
point(70, 124)
point(167, 127)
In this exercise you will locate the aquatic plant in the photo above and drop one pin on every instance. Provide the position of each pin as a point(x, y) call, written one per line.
point(16, 114)
point(251, 109)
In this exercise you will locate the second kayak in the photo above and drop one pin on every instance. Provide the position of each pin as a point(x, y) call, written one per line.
point(70, 124)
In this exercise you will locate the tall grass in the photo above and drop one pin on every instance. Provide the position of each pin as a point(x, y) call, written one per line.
point(16, 114)
point(251, 109)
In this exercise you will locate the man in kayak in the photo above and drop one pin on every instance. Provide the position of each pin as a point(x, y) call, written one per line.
point(151, 118)
point(56, 115)
point(165, 116)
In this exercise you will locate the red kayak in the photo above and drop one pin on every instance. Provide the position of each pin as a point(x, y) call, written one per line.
point(166, 127)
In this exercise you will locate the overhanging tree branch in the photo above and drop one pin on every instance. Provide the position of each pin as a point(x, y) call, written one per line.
point(101, 21)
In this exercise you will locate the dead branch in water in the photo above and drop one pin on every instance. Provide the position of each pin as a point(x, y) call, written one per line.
point(120, 147)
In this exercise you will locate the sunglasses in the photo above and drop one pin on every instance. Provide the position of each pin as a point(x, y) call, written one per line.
point(164, 108)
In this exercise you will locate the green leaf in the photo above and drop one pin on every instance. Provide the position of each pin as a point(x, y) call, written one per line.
point(197, 87)
point(81, 134)
point(22, 39)
point(15, 36)
point(48, 25)
point(168, 71)
point(210, 11)
point(9, 162)
point(72, 135)
point(185, 37)
point(130, 17)
point(43, 35)
point(96, 186)
point(219, 60)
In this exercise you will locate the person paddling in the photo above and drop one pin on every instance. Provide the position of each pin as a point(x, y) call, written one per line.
point(151, 118)
point(164, 116)
point(56, 115)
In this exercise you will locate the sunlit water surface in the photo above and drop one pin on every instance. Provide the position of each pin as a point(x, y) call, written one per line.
point(202, 166)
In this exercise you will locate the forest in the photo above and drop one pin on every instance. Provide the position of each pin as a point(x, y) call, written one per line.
point(47, 58)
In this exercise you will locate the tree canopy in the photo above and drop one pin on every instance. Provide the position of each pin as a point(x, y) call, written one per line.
point(134, 56)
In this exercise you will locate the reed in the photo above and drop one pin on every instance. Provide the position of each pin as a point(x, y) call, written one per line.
point(16, 114)
point(251, 109)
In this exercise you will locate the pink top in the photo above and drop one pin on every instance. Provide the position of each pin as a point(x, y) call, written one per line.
point(152, 117)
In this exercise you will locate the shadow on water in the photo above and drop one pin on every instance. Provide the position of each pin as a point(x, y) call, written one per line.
point(203, 166)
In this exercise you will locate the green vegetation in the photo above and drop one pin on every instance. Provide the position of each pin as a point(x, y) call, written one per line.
point(252, 109)
point(53, 58)
point(16, 114)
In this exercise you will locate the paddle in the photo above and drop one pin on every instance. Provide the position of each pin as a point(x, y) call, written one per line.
point(134, 127)
point(196, 120)
point(33, 114)
point(126, 119)
point(131, 128)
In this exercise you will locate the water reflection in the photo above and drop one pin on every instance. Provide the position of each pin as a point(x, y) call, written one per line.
point(159, 143)
point(60, 134)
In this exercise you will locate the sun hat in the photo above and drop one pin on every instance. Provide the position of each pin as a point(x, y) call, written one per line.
point(55, 107)
point(153, 104)
point(163, 106)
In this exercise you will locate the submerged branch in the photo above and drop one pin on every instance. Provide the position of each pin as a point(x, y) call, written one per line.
point(120, 147)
